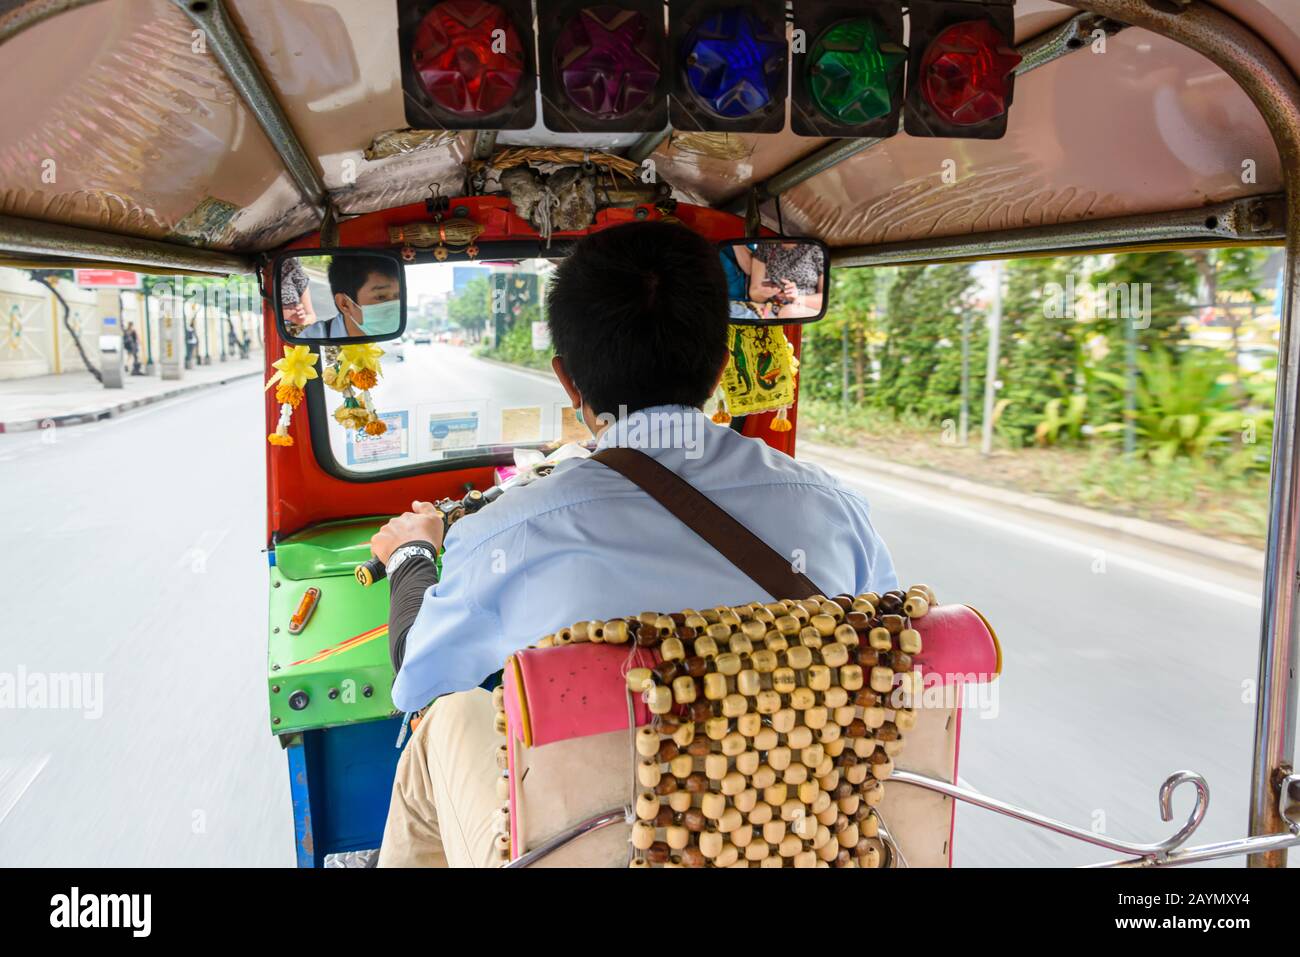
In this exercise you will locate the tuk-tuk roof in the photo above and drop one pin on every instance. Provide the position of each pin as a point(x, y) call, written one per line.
point(118, 118)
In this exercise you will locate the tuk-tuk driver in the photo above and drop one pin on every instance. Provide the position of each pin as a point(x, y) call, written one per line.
point(638, 316)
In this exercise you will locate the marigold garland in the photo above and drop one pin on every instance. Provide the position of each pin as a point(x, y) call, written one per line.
point(355, 371)
point(292, 373)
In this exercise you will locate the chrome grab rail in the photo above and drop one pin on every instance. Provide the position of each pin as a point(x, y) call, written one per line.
point(1157, 852)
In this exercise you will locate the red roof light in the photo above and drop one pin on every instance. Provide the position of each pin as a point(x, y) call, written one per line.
point(967, 72)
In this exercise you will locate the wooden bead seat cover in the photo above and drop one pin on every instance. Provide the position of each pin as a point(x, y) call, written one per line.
point(763, 733)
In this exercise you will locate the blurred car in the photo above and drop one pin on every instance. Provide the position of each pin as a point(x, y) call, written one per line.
point(422, 337)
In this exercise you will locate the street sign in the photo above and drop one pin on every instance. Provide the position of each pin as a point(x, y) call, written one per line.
point(111, 278)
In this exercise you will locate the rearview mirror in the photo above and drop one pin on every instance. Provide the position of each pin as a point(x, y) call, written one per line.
point(776, 281)
point(339, 296)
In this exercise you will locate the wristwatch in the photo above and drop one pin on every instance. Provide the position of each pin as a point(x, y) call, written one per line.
point(404, 553)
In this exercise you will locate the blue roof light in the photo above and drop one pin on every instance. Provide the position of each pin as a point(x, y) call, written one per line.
point(734, 63)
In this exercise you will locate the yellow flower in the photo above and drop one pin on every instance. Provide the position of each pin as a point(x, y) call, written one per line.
point(288, 393)
point(375, 427)
point(363, 379)
point(351, 417)
point(275, 438)
point(360, 358)
point(295, 369)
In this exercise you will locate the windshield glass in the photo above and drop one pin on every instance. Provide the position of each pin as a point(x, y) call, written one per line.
point(469, 378)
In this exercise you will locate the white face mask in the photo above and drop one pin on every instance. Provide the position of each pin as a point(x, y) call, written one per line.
point(381, 317)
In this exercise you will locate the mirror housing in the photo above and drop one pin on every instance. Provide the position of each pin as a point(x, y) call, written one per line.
point(776, 280)
point(339, 296)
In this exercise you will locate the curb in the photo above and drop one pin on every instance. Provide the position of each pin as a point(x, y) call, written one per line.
point(108, 412)
point(1200, 546)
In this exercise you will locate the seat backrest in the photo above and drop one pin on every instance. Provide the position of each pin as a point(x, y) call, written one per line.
point(759, 735)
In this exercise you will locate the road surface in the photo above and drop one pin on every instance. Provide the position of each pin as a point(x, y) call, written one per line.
point(136, 557)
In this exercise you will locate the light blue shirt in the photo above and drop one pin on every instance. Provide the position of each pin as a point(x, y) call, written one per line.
point(585, 543)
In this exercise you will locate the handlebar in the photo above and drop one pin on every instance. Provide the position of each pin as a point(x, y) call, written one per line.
point(452, 510)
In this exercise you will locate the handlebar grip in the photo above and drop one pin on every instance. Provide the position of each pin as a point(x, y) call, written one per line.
point(370, 572)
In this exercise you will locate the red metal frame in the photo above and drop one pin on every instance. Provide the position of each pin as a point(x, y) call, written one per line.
point(300, 493)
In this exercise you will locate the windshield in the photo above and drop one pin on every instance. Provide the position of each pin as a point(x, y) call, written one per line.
point(470, 378)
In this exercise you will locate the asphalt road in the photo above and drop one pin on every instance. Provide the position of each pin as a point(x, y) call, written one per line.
point(136, 558)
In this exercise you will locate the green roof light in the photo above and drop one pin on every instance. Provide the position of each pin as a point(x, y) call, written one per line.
point(853, 71)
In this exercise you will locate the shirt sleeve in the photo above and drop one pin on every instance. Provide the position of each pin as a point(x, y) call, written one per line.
point(453, 644)
point(406, 594)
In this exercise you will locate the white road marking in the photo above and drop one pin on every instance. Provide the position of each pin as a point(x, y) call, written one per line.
point(932, 502)
point(15, 780)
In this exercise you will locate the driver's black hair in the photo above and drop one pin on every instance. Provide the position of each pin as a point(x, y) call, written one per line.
point(639, 314)
point(347, 274)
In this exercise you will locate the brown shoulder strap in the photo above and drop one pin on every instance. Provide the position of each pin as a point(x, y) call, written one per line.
point(764, 564)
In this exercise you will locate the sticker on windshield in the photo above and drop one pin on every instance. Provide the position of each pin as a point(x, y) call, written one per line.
point(522, 425)
point(364, 449)
point(453, 430)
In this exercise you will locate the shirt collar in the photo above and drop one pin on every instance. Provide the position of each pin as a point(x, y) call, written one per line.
point(656, 427)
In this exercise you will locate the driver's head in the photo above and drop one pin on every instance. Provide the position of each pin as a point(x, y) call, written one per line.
point(357, 281)
point(638, 317)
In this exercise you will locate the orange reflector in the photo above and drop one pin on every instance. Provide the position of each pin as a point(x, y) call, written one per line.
point(306, 606)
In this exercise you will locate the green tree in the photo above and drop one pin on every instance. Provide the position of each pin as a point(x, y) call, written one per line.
point(920, 361)
point(470, 309)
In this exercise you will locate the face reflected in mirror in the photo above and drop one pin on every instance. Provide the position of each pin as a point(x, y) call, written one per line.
point(775, 280)
point(341, 297)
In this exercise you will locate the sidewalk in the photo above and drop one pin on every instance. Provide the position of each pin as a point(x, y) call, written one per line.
point(75, 397)
point(1176, 540)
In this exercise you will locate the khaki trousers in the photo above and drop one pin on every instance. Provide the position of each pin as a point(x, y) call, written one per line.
point(445, 810)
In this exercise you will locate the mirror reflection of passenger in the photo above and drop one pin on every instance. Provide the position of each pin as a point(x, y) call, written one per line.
point(367, 293)
point(295, 296)
point(789, 277)
point(737, 262)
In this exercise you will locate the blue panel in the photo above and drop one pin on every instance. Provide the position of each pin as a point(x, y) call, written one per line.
point(348, 773)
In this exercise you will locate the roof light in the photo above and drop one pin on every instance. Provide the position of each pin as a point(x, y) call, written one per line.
point(731, 66)
point(607, 61)
point(470, 60)
point(855, 72)
point(967, 71)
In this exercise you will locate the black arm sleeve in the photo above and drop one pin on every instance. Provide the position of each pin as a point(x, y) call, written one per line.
point(406, 593)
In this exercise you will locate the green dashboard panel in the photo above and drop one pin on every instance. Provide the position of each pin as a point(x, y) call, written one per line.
point(337, 670)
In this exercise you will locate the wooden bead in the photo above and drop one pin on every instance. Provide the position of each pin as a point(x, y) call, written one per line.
point(795, 774)
point(716, 766)
point(681, 766)
point(730, 820)
point(659, 699)
point(728, 663)
point(747, 682)
point(677, 837)
point(880, 639)
point(740, 645)
point(805, 859)
point(784, 720)
point(745, 800)
point(783, 680)
point(672, 649)
point(812, 755)
point(733, 783)
point(639, 679)
point(711, 842)
point(847, 635)
point(869, 825)
point(790, 846)
point(718, 632)
point(764, 660)
point(615, 632)
point(767, 702)
point(713, 804)
point(747, 762)
point(503, 788)
point(856, 774)
point(684, 734)
point(787, 625)
point(648, 773)
point(693, 857)
point(734, 705)
point(696, 666)
point(643, 835)
point(874, 717)
point(647, 806)
point(798, 657)
point(679, 801)
point(503, 758)
point(728, 856)
point(646, 636)
point(916, 607)
point(757, 851)
point(774, 831)
point(500, 724)
point(851, 677)
point(766, 739)
point(658, 853)
point(906, 720)
point(749, 724)
point(666, 671)
point(779, 758)
point(753, 630)
point(764, 777)
point(801, 699)
point(816, 717)
point(706, 647)
point(684, 690)
point(909, 641)
point(810, 637)
point(868, 856)
point(742, 836)
point(716, 728)
point(776, 794)
point(824, 624)
point(882, 679)
point(882, 766)
point(835, 654)
point(700, 710)
point(733, 743)
point(775, 642)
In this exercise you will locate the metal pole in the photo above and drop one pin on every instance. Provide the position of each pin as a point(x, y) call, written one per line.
point(844, 365)
point(963, 418)
point(991, 371)
point(1130, 384)
point(145, 285)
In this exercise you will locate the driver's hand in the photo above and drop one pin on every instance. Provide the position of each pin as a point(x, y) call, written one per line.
point(422, 524)
point(789, 289)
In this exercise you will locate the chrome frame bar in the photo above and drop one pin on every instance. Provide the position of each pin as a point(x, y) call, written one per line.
point(1253, 219)
point(1073, 34)
point(228, 46)
point(615, 815)
point(1275, 91)
point(30, 237)
point(1157, 852)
